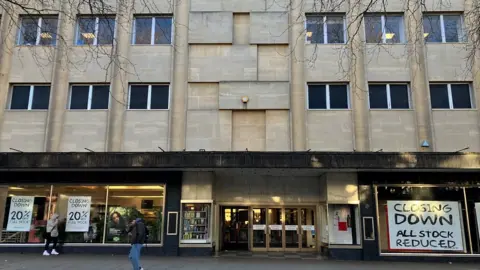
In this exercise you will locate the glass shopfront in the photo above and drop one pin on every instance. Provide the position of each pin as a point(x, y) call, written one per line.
point(88, 214)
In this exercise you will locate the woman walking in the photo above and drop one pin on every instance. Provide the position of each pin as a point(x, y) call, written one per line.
point(52, 235)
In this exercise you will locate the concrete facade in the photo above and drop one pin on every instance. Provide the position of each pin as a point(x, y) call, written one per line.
point(224, 50)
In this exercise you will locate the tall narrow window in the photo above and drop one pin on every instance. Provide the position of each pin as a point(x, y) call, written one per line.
point(95, 31)
point(328, 29)
point(38, 31)
point(443, 28)
point(30, 97)
point(328, 96)
point(384, 29)
point(451, 96)
point(388, 96)
point(148, 97)
point(89, 97)
point(152, 30)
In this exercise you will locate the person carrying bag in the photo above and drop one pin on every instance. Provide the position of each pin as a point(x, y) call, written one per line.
point(139, 237)
point(51, 235)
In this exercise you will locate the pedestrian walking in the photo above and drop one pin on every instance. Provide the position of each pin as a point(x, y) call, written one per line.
point(62, 235)
point(139, 234)
point(51, 235)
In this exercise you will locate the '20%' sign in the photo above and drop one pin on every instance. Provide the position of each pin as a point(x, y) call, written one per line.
point(20, 214)
point(78, 214)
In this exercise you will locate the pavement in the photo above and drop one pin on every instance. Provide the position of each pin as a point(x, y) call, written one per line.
point(106, 262)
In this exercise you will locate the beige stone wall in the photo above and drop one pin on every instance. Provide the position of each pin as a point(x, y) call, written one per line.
point(393, 130)
point(248, 130)
point(145, 131)
point(329, 130)
point(387, 63)
point(84, 129)
point(32, 64)
point(24, 131)
point(446, 62)
point(455, 130)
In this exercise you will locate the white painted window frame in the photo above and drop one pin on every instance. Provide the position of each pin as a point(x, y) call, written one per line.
point(39, 32)
point(30, 96)
point(442, 28)
point(90, 97)
point(450, 96)
point(149, 96)
point(95, 32)
point(325, 28)
point(389, 97)
point(327, 96)
point(152, 32)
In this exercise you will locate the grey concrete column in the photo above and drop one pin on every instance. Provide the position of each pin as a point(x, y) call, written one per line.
point(418, 75)
point(178, 111)
point(60, 80)
point(358, 80)
point(297, 76)
point(119, 82)
point(8, 30)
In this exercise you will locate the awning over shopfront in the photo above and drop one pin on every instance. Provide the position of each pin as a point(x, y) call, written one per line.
point(359, 161)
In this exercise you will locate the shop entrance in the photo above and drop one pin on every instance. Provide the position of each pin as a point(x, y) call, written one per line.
point(283, 229)
point(235, 228)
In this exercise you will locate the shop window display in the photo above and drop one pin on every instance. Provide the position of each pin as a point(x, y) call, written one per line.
point(422, 219)
point(195, 222)
point(343, 224)
point(126, 203)
point(24, 213)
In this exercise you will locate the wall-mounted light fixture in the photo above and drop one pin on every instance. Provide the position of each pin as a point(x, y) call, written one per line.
point(244, 99)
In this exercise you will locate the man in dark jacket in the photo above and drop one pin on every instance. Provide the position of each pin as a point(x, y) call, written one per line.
point(139, 236)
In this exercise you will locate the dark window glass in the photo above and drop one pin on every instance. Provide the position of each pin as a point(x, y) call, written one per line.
point(315, 29)
point(394, 29)
point(317, 97)
point(143, 31)
point(159, 98)
point(399, 96)
point(461, 96)
point(100, 95)
point(163, 30)
point(106, 29)
point(86, 31)
point(335, 29)
point(41, 97)
point(432, 28)
point(378, 96)
point(20, 97)
point(373, 29)
point(439, 96)
point(79, 97)
point(338, 97)
point(138, 97)
point(453, 28)
point(48, 34)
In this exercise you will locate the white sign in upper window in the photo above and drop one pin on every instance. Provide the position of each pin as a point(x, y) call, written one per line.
point(95, 31)
point(325, 29)
point(443, 28)
point(384, 29)
point(38, 31)
point(148, 97)
point(89, 97)
point(152, 30)
point(30, 97)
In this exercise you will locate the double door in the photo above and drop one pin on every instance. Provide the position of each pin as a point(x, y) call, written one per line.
point(283, 229)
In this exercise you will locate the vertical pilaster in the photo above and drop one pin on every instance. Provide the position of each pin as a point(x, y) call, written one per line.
point(8, 30)
point(180, 77)
point(297, 76)
point(60, 80)
point(418, 75)
point(358, 80)
point(119, 82)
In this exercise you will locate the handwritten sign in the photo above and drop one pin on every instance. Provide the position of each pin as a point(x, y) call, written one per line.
point(20, 214)
point(425, 225)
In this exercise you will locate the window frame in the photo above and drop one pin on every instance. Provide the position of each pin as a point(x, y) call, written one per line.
point(325, 28)
point(89, 101)
point(461, 38)
point(152, 33)
point(149, 97)
point(450, 96)
point(30, 97)
point(384, 32)
point(39, 20)
point(389, 96)
point(97, 23)
point(327, 96)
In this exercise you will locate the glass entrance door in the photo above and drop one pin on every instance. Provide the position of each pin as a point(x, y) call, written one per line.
point(308, 230)
point(275, 229)
point(259, 228)
point(235, 228)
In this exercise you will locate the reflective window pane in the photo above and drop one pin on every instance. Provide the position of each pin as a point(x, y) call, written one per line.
point(335, 29)
point(79, 97)
point(453, 28)
point(100, 97)
point(461, 96)
point(143, 30)
point(439, 96)
point(317, 97)
point(432, 28)
point(48, 34)
point(138, 97)
point(338, 97)
point(377, 94)
point(394, 31)
point(126, 203)
point(373, 28)
point(399, 96)
point(315, 29)
point(41, 97)
point(28, 31)
point(163, 30)
point(106, 30)
point(20, 97)
point(86, 31)
point(159, 98)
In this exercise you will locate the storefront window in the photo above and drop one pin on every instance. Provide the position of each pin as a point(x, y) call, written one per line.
point(422, 219)
point(195, 222)
point(473, 202)
point(126, 203)
point(24, 213)
point(82, 212)
point(343, 224)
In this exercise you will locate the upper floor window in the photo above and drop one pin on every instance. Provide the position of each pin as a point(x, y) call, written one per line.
point(38, 31)
point(388, 96)
point(328, 96)
point(326, 29)
point(30, 97)
point(95, 30)
point(451, 96)
point(89, 97)
point(384, 29)
point(152, 30)
point(443, 28)
point(148, 97)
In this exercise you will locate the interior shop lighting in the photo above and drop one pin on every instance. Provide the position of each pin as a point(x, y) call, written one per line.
point(88, 35)
point(46, 35)
point(389, 35)
point(135, 187)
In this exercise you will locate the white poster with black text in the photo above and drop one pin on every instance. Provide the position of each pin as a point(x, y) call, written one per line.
point(78, 213)
point(425, 225)
point(20, 214)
